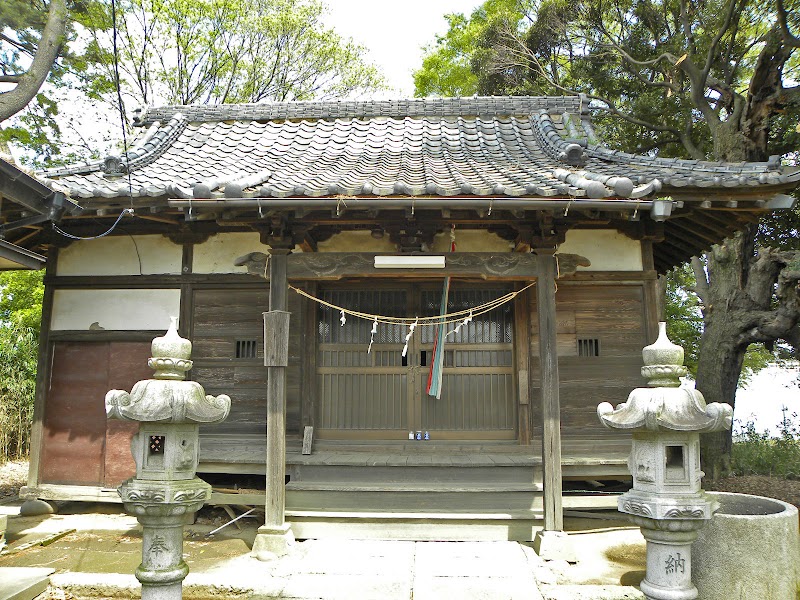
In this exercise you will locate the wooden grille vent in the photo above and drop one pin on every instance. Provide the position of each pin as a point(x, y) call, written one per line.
point(246, 348)
point(588, 347)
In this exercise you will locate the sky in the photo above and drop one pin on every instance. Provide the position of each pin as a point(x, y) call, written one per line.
point(394, 33)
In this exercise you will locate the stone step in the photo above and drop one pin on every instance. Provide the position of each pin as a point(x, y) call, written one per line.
point(23, 583)
point(455, 527)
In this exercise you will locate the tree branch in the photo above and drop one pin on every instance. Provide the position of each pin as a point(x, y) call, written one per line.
point(789, 39)
point(531, 60)
point(15, 100)
point(711, 55)
point(10, 78)
point(701, 280)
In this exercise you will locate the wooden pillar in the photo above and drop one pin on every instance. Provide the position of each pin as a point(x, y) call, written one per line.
point(551, 543)
point(551, 406)
point(522, 331)
point(275, 537)
point(30, 491)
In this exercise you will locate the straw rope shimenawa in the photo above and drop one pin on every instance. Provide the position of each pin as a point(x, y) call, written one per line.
point(449, 318)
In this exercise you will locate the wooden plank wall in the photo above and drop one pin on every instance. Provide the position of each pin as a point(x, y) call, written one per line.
point(79, 445)
point(613, 314)
point(221, 316)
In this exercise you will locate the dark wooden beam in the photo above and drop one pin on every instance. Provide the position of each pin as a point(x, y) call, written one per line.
point(330, 266)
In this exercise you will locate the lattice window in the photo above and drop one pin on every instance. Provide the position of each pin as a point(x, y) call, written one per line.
point(588, 347)
point(246, 348)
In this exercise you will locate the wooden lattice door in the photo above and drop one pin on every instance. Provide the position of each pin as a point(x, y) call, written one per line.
point(379, 394)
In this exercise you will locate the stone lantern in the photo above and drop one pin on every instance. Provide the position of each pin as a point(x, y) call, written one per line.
point(165, 491)
point(666, 500)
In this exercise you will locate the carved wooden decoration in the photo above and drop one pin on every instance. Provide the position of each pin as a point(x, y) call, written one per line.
point(477, 265)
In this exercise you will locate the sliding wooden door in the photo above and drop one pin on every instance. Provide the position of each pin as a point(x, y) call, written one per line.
point(377, 393)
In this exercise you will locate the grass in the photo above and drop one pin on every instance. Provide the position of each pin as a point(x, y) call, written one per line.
point(759, 453)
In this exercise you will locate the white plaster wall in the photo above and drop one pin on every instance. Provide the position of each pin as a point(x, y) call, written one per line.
point(217, 254)
point(114, 309)
point(356, 241)
point(466, 241)
point(607, 249)
point(118, 256)
point(471, 240)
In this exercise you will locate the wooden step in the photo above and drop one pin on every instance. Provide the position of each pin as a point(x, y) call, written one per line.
point(399, 500)
point(421, 486)
point(412, 474)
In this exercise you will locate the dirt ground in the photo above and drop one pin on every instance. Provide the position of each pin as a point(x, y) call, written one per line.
point(13, 475)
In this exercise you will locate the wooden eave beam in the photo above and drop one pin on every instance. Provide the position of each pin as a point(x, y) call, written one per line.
point(332, 266)
point(21, 256)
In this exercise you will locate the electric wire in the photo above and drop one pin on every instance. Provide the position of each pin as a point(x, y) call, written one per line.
point(126, 211)
point(120, 103)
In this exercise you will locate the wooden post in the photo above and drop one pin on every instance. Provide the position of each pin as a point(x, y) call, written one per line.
point(551, 406)
point(522, 333)
point(30, 491)
point(551, 543)
point(275, 537)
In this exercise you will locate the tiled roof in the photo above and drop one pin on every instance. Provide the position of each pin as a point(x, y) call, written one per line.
point(495, 146)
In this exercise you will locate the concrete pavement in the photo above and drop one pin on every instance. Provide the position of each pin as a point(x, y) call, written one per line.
point(97, 561)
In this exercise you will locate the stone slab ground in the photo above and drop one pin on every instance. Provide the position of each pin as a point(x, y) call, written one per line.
point(97, 561)
point(23, 583)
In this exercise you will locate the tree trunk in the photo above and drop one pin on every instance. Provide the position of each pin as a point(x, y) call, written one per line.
point(747, 297)
point(718, 369)
point(14, 100)
point(721, 347)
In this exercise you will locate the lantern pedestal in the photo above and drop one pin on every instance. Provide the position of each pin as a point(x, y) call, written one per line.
point(162, 509)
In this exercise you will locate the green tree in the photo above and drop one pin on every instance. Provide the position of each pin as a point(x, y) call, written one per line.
point(713, 79)
point(18, 355)
point(231, 51)
point(21, 294)
point(41, 59)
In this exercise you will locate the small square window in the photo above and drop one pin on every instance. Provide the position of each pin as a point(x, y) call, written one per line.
point(246, 348)
point(588, 347)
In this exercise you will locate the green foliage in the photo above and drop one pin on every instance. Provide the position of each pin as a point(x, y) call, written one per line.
point(21, 294)
point(38, 129)
point(637, 61)
point(230, 51)
point(18, 356)
point(456, 63)
point(683, 314)
point(758, 453)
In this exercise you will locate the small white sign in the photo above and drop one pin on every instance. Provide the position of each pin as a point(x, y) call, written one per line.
point(409, 262)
